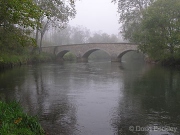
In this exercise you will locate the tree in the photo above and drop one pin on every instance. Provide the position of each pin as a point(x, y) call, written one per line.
point(57, 14)
point(79, 35)
point(62, 37)
point(71, 35)
point(95, 38)
point(16, 19)
point(130, 12)
point(21, 13)
point(103, 38)
point(114, 39)
point(159, 33)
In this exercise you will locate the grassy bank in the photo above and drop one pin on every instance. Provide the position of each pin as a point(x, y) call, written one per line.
point(8, 60)
point(13, 121)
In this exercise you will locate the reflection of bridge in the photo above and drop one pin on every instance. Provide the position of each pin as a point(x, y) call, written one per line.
point(82, 51)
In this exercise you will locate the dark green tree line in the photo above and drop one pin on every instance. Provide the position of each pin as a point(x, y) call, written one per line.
point(155, 25)
point(20, 18)
point(17, 18)
point(130, 15)
point(159, 31)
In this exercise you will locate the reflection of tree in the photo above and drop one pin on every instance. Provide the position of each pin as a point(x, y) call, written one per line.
point(161, 96)
point(11, 82)
point(99, 55)
point(129, 111)
point(60, 120)
point(150, 100)
point(56, 113)
point(39, 90)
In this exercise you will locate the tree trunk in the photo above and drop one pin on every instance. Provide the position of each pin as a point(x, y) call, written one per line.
point(37, 36)
point(40, 45)
point(43, 30)
point(172, 50)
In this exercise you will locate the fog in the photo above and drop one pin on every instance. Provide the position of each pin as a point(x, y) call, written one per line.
point(96, 21)
point(97, 15)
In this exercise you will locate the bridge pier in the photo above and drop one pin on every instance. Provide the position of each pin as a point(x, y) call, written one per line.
point(114, 58)
point(59, 59)
point(81, 59)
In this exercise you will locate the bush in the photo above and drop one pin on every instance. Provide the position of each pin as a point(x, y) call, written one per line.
point(13, 121)
point(69, 57)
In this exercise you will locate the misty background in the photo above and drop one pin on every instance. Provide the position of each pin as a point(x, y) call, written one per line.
point(95, 22)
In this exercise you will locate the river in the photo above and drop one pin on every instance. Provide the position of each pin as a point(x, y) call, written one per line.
point(97, 98)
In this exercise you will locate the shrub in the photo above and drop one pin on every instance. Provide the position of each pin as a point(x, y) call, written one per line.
point(13, 121)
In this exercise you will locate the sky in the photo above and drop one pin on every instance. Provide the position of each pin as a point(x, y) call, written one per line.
point(97, 15)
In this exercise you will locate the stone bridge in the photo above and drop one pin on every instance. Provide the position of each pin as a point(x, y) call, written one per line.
point(82, 51)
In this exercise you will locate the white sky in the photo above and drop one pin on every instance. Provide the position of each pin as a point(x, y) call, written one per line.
point(97, 15)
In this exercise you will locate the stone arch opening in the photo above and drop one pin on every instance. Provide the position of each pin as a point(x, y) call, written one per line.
point(96, 55)
point(62, 56)
point(62, 53)
point(86, 55)
point(130, 55)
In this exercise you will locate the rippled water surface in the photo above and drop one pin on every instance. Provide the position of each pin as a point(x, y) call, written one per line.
point(97, 98)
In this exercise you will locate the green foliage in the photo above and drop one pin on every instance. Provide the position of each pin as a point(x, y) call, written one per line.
point(13, 121)
point(21, 12)
point(42, 57)
point(13, 58)
point(8, 59)
point(69, 57)
point(159, 30)
point(14, 39)
point(17, 20)
point(130, 14)
point(57, 12)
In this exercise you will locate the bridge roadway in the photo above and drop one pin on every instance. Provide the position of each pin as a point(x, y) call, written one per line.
point(82, 51)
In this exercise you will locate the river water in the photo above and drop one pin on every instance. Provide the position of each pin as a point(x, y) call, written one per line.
point(97, 98)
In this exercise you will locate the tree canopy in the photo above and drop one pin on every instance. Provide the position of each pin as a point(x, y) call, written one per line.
point(17, 17)
point(56, 13)
point(130, 14)
point(159, 30)
point(23, 13)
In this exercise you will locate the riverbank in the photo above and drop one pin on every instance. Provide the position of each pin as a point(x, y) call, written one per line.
point(171, 62)
point(13, 121)
point(8, 60)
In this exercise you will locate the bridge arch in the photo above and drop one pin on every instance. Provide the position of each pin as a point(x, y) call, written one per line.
point(61, 54)
point(136, 55)
point(82, 51)
point(90, 51)
point(122, 53)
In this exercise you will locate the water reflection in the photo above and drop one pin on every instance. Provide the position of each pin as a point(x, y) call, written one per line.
point(39, 91)
point(96, 98)
point(56, 112)
point(149, 101)
point(9, 85)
